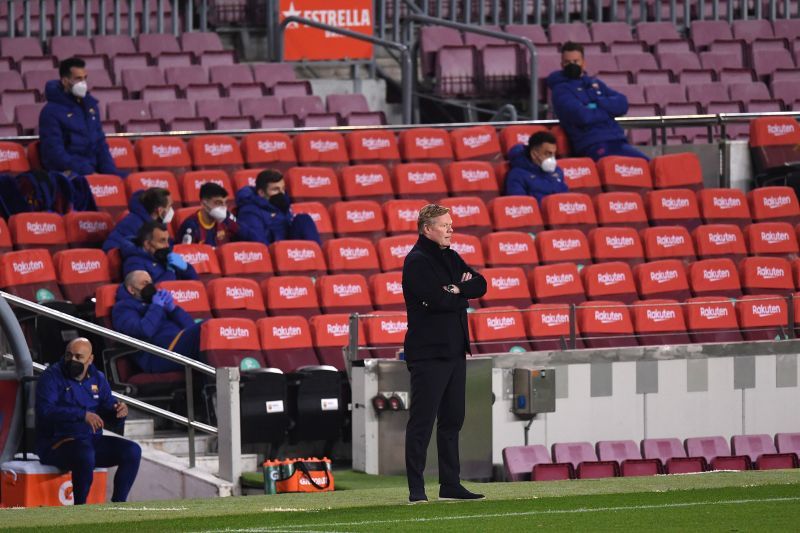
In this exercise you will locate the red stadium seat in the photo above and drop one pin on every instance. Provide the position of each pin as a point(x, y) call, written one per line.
point(245, 177)
point(191, 295)
point(532, 463)
point(628, 458)
point(580, 175)
point(202, 258)
point(373, 146)
point(286, 342)
point(624, 174)
point(474, 178)
point(38, 230)
point(677, 171)
point(763, 317)
point(609, 281)
point(401, 215)
point(776, 239)
point(162, 153)
point(773, 142)
point(319, 214)
point(109, 193)
point(321, 148)
point(558, 283)
point(716, 453)
point(516, 213)
point(469, 248)
point(29, 274)
point(236, 297)
point(290, 295)
point(85, 229)
point(583, 459)
point(667, 242)
point(720, 240)
point(358, 218)
point(715, 277)
point(192, 181)
point(672, 455)
point(351, 255)
point(426, 144)
point(510, 136)
point(80, 272)
point(711, 319)
point(672, 207)
point(330, 333)
point(774, 204)
point(392, 251)
point(499, 330)
point(724, 206)
point(766, 275)
point(569, 211)
point(164, 179)
point(123, 153)
point(505, 286)
point(344, 293)
point(226, 342)
point(386, 332)
point(245, 260)
point(387, 291)
point(419, 181)
point(659, 322)
point(5, 237)
point(510, 248)
point(105, 297)
point(616, 244)
point(476, 142)
point(605, 324)
point(313, 184)
point(662, 279)
point(215, 151)
point(298, 257)
point(558, 246)
point(13, 157)
point(469, 213)
point(273, 150)
point(367, 182)
point(621, 209)
point(761, 451)
point(548, 327)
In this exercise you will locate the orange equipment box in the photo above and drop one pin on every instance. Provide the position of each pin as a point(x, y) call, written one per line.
point(32, 484)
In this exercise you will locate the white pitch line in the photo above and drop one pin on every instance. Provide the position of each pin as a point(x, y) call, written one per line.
point(143, 509)
point(326, 527)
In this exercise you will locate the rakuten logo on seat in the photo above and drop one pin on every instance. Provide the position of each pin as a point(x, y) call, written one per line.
point(301, 254)
point(27, 267)
point(104, 191)
point(40, 228)
point(149, 183)
point(574, 173)
point(572, 208)
point(661, 315)
point(770, 272)
point(724, 202)
point(322, 147)
point(428, 143)
point(84, 267)
point(315, 182)
point(621, 208)
point(564, 245)
point(183, 296)
point(506, 283)
point(663, 276)
point(615, 242)
point(118, 151)
point(344, 291)
point(713, 313)
point(351, 254)
point(92, 226)
point(337, 330)
point(764, 310)
point(463, 248)
point(518, 211)
point(501, 322)
point(239, 293)
point(608, 317)
point(375, 143)
point(474, 176)
point(552, 320)
point(368, 180)
point(628, 171)
point(400, 251)
point(286, 332)
point(774, 237)
point(670, 241)
point(195, 258)
point(476, 141)
point(269, 147)
point(421, 178)
point(721, 239)
point(359, 216)
point(779, 130)
point(716, 274)
point(513, 248)
point(292, 293)
point(408, 215)
point(674, 204)
point(217, 150)
point(394, 326)
point(165, 150)
point(232, 333)
point(557, 280)
point(610, 278)
point(776, 202)
point(246, 258)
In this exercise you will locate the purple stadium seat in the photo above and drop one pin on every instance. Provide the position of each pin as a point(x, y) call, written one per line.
point(761, 451)
point(136, 79)
point(282, 122)
point(576, 32)
point(634, 93)
point(9, 129)
point(704, 32)
point(213, 109)
point(456, 71)
point(6, 64)
point(67, 46)
point(344, 104)
point(431, 40)
point(609, 32)
point(672, 46)
point(695, 76)
point(733, 131)
point(18, 47)
point(233, 123)
point(664, 94)
point(11, 81)
point(260, 107)
point(113, 45)
point(746, 92)
point(155, 44)
point(728, 76)
point(679, 61)
point(4, 117)
point(788, 443)
point(321, 120)
point(271, 73)
point(99, 77)
point(639, 135)
point(653, 32)
point(614, 79)
point(35, 80)
point(786, 90)
point(174, 59)
point(672, 455)
point(105, 95)
point(238, 91)
point(534, 33)
point(282, 89)
point(300, 106)
point(705, 93)
point(716, 452)
point(148, 125)
point(205, 91)
point(786, 75)
point(27, 116)
point(532, 463)
point(783, 28)
point(12, 98)
point(127, 61)
point(764, 106)
point(159, 92)
point(499, 65)
point(124, 112)
point(600, 62)
point(633, 47)
point(26, 64)
point(627, 455)
point(686, 108)
point(765, 62)
point(188, 124)
point(198, 42)
point(481, 41)
point(750, 30)
point(370, 118)
point(218, 58)
point(653, 77)
point(734, 48)
point(229, 74)
point(768, 44)
point(183, 76)
point(716, 60)
point(169, 111)
point(636, 62)
point(583, 459)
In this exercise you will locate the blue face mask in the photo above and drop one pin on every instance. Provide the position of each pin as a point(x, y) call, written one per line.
point(572, 71)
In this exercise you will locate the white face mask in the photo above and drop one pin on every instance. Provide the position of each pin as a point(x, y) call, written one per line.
point(80, 89)
point(219, 213)
point(549, 164)
point(167, 218)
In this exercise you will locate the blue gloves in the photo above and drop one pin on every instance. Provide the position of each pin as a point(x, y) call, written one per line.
point(163, 298)
point(176, 261)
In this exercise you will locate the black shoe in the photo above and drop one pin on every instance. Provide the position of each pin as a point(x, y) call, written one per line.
point(417, 497)
point(457, 492)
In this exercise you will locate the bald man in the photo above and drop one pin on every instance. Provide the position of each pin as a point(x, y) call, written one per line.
point(73, 404)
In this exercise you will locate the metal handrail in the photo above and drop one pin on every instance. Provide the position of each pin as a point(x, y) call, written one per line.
point(534, 84)
point(405, 56)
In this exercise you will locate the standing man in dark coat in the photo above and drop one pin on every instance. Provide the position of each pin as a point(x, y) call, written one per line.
point(437, 285)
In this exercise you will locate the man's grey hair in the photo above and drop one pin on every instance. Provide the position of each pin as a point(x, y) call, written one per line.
point(428, 213)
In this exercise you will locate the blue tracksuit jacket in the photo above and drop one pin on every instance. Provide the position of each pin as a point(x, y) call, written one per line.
point(526, 178)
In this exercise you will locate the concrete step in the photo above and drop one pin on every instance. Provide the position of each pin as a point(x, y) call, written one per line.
point(139, 428)
point(179, 444)
point(210, 462)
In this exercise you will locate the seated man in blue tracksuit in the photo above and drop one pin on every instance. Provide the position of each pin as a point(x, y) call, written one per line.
point(70, 128)
point(144, 206)
point(213, 224)
point(73, 404)
point(534, 171)
point(154, 255)
point(586, 108)
point(265, 216)
point(152, 315)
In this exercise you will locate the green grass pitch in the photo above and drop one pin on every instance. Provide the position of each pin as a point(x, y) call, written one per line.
point(720, 501)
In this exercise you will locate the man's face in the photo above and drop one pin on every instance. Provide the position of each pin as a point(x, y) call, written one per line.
point(161, 212)
point(572, 57)
point(159, 241)
point(80, 352)
point(440, 230)
point(542, 152)
point(274, 188)
point(76, 75)
point(211, 203)
point(139, 283)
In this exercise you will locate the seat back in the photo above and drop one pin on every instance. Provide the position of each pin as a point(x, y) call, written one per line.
point(159, 153)
point(774, 204)
point(709, 448)
point(385, 332)
point(720, 240)
point(558, 246)
point(228, 342)
point(618, 173)
point(330, 333)
point(773, 141)
point(475, 142)
point(13, 157)
point(753, 446)
point(667, 242)
point(392, 251)
point(766, 275)
point(38, 230)
point(214, 151)
point(425, 144)
point(680, 170)
point(620, 209)
point(87, 228)
point(472, 178)
point(605, 324)
point(658, 322)
point(574, 453)
point(772, 239)
point(498, 329)
point(616, 244)
point(286, 342)
point(724, 206)
point(419, 181)
point(108, 192)
point(718, 277)
point(340, 293)
point(557, 283)
point(548, 327)
point(387, 291)
point(201, 257)
point(80, 271)
point(164, 179)
point(370, 146)
point(506, 286)
point(763, 317)
point(617, 450)
point(318, 184)
point(401, 215)
point(510, 248)
point(362, 182)
point(609, 281)
point(469, 214)
point(190, 295)
point(358, 218)
point(236, 297)
point(672, 207)
point(518, 461)
point(662, 279)
point(268, 149)
point(194, 180)
point(569, 210)
point(515, 213)
point(469, 248)
point(662, 449)
point(295, 257)
point(321, 148)
point(580, 175)
point(711, 319)
point(245, 259)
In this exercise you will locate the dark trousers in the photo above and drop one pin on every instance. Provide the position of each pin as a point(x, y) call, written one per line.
point(621, 148)
point(303, 228)
point(437, 393)
point(188, 344)
point(82, 456)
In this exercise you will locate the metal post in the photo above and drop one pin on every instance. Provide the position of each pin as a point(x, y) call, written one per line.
point(43, 21)
point(715, 10)
point(786, 10)
point(572, 332)
point(396, 20)
point(73, 17)
point(204, 15)
point(612, 13)
point(509, 10)
point(117, 15)
point(687, 12)
point(495, 12)
point(730, 11)
point(101, 24)
point(229, 425)
point(598, 10)
point(131, 18)
point(57, 29)
point(759, 10)
point(744, 7)
point(566, 10)
point(87, 17)
point(673, 10)
point(537, 12)
point(352, 340)
point(176, 15)
point(26, 17)
point(146, 16)
point(773, 12)
point(189, 16)
point(628, 11)
point(790, 308)
point(190, 416)
point(551, 12)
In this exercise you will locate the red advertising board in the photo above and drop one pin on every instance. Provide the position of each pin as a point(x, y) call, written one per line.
point(306, 43)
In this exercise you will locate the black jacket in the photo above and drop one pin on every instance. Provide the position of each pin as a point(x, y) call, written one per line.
point(437, 319)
